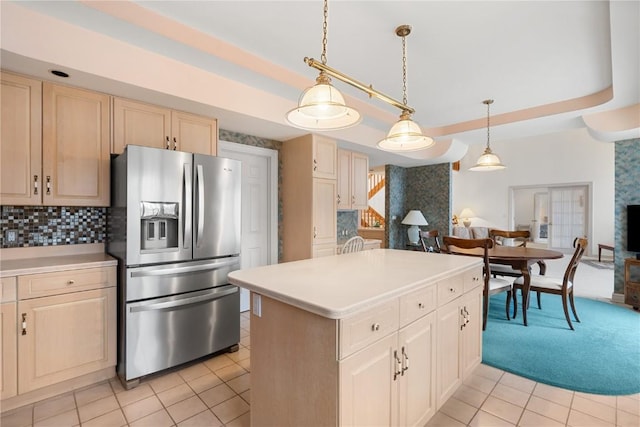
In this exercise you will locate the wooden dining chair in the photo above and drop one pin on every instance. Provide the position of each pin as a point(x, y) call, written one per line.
point(431, 234)
point(354, 244)
point(520, 239)
point(550, 285)
point(492, 285)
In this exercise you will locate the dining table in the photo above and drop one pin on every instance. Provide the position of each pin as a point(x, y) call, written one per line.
point(519, 258)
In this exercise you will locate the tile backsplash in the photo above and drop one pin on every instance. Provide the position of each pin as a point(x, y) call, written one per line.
point(52, 225)
point(347, 224)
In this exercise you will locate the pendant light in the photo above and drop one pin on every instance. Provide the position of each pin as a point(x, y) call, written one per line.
point(322, 107)
point(488, 161)
point(405, 134)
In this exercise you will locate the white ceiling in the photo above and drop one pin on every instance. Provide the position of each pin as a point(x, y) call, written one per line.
point(547, 64)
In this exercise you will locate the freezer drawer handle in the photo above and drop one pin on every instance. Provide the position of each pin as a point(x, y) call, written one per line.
point(186, 301)
point(189, 269)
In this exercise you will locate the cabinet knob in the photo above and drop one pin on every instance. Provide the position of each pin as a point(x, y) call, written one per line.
point(420, 305)
point(452, 290)
point(70, 282)
point(375, 327)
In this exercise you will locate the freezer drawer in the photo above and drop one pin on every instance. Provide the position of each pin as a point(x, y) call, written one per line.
point(165, 332)
point(170, 279)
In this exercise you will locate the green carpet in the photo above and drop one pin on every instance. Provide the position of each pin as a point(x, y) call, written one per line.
point(602, 355)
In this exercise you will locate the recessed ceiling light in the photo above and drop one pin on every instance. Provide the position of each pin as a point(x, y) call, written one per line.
point(59, 73)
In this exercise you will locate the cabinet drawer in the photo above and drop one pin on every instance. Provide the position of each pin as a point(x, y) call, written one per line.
point(472, 279)
point(8, 289)
point(450, 289)
point(64, 282)
point(416, 304)
point(367, 327)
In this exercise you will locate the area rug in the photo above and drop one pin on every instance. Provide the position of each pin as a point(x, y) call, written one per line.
point(602, 355)
point(602, 265)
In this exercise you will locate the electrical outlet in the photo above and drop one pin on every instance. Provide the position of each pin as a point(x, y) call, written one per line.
point(11, 236)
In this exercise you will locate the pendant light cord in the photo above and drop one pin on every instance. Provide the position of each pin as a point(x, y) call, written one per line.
point(323, 56)
point(404, 70)
point(488, 123)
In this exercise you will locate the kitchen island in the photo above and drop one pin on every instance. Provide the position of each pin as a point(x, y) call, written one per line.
point(378, 337)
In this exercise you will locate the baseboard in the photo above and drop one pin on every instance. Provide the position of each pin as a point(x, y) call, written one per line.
point(617, 298)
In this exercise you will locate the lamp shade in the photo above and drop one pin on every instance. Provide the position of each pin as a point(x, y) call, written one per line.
point(322, 107)
point(415, 217)
point(466, 213)
point(488, 162)
point(405, 135)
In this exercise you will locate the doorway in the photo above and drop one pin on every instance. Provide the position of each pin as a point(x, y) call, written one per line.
point(554, 214)
point(259, 206)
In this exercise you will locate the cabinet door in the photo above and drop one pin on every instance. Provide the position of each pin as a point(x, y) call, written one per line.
point(75, 141)
point(368, 392)
point(417, 347)
point(194, 134)
point(327, 249)
point(20, 141)
point(324, 157)
point(66, 336)
point(359, 181)
point(324, 211)
point(471, 334)
point(8, 339)
point(344, 180)
point(448, 376)
point(136, 123)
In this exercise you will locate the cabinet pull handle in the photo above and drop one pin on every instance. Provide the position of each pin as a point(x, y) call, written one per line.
point(315, 233)
point(405, 361)
point(35, 185)
point(375, 327)
point(48, 185)
point(463, 322)
point(353, 200)
point(315, 165)
point(24, 323)
point(175, 143)
point(168, 143)
point(338, 199)
point(71, 282)
point(398, 369)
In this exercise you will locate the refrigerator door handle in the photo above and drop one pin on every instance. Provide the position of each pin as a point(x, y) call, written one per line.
point(200, 184)
point(210, 296)
point(188, 215)
point(185, 269)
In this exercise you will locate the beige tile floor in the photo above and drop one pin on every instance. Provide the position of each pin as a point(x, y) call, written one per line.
point(215, 392)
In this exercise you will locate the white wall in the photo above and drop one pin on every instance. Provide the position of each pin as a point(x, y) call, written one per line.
point(571, 157)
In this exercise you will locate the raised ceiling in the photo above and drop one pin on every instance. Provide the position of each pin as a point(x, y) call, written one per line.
point(550, 65)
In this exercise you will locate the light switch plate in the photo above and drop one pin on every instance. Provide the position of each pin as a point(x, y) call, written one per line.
point(257, 305)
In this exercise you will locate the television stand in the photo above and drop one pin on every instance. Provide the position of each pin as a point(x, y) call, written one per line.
point(631, 288)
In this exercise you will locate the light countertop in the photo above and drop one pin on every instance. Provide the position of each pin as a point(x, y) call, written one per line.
point(48, 264)
point(342, 285)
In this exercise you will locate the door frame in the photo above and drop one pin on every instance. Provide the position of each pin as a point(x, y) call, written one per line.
point(272, 162)
point(589, 214)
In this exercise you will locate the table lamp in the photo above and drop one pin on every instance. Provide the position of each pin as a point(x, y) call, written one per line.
point(414, 218)
point(465, 215)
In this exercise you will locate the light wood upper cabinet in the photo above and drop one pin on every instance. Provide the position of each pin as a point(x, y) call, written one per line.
point(309, 197)
point(20, 141)
point(137, 123)
point(353, 169)
point(324, 157)
point(75, 147)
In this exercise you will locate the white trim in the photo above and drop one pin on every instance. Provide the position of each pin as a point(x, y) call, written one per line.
point(617, 298)
point(272, 158)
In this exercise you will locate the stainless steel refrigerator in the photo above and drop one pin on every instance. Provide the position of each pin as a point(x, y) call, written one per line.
point(174, 225)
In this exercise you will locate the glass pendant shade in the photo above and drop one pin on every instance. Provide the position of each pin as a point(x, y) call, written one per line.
point(488, 162)
point(322, 107)
point(405, 135)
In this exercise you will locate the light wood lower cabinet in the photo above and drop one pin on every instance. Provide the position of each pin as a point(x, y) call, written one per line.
point(380, 366)
point(65, 336)
point(398, 373)
point(459, 325)
point(62, 327)
point(8, 338)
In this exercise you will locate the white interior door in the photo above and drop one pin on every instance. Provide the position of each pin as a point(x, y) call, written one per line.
point(259, 206)
point(568, 209)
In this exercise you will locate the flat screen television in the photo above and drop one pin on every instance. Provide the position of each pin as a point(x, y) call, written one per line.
point(633, 228)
